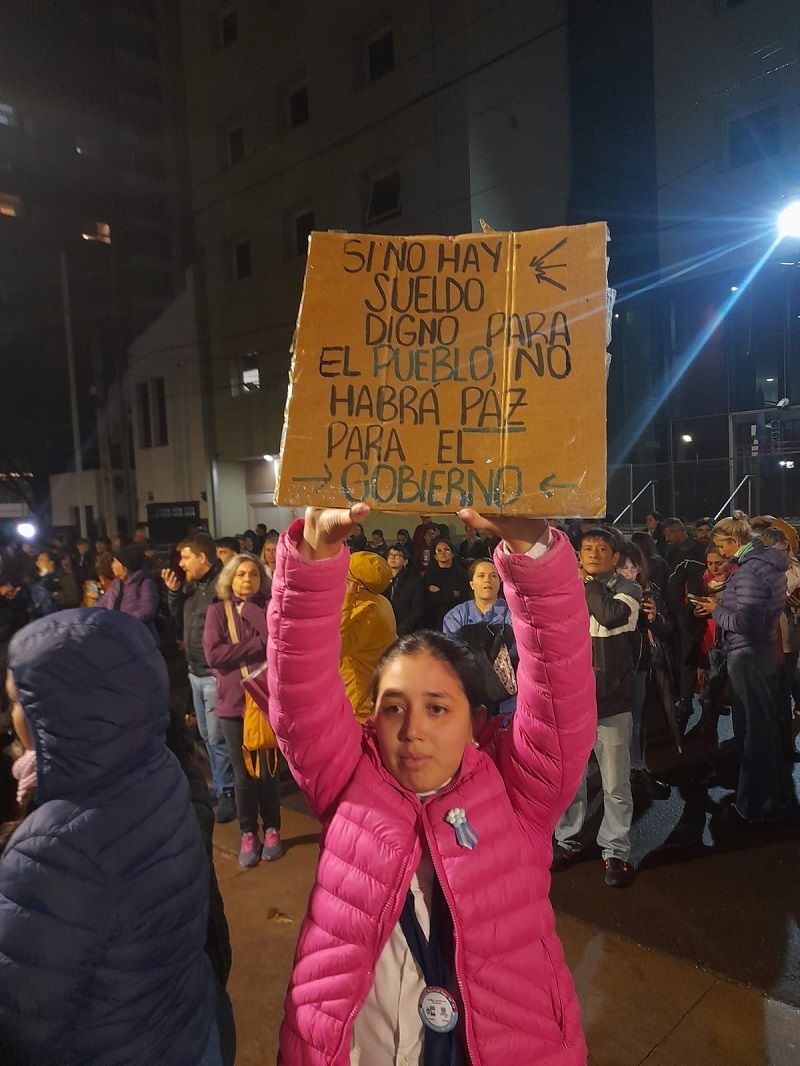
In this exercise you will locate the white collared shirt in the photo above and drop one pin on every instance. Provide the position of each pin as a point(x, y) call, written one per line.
point(388, 1030)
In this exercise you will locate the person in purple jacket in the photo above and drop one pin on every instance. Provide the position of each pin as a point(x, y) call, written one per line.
point(132, 591)
point(748, 618)
point(243, 584)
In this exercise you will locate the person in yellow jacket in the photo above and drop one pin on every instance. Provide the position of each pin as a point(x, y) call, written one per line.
point(368, 627)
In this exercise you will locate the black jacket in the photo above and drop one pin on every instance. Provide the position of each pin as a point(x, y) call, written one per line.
point(454, 587)
point(188, 607)
point(406, 593)
point(614, 604)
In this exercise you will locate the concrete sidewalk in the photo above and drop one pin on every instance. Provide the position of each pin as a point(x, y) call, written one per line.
point(639, 1006)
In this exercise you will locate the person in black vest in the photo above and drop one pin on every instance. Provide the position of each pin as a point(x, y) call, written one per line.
point(188, 605)
point(405, 592)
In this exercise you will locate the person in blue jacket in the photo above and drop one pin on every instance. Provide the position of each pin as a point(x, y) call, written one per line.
point(104, 887)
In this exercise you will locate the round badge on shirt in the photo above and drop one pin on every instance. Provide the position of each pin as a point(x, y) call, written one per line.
point(437, 1009)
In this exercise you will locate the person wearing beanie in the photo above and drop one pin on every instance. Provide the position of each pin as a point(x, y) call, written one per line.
point(132, 591)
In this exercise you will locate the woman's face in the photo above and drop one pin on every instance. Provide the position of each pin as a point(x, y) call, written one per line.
point(422, 721)
point(246, 581)
point(485, 583)
point(118, 570)
point(650, 523)
point(726, 546)
point(402, 537)
point(629, 569)
point(396, 560)
point(268, 554)
point(718, 566)
point(443, 554)
point(249, 544)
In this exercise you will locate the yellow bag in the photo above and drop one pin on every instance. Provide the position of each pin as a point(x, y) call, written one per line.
point(257, 734)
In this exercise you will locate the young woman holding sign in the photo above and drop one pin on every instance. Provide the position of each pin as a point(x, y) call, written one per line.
point(400, 955)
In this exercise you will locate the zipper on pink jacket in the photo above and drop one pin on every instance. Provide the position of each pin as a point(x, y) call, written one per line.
point(371, 973)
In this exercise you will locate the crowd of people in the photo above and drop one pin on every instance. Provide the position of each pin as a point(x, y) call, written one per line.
point(437, 698)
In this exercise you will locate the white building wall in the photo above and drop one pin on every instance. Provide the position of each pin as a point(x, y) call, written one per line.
point(175, 471)
point(460, 115)
point(68, 491)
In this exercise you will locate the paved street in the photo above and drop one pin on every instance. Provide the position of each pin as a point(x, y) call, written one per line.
point(671, 972)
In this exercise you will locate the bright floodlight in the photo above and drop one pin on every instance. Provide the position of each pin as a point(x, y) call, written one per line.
point(26, 530)
point(686, 438)
point(789, 220)
point(267, 458)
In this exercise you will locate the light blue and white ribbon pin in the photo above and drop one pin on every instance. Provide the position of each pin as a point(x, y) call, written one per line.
point(465, 834)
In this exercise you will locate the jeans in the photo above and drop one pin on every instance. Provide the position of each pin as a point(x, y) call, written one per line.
point(752, 673)
point(612, 747)
point(204, 694)
point(212, 1056)
point(253, 794)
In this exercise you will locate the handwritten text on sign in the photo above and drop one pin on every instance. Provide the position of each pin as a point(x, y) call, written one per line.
point(439, 373)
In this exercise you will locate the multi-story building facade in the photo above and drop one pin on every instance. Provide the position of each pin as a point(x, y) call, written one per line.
point(673, 121)
point(91, 171)
point(727, 95)
point(395, 118)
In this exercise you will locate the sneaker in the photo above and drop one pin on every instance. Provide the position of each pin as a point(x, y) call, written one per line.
point(248, 853)
point(273, 849)
point(226, 808)
point(619, 874)
point(212, 797)
point(562, 858)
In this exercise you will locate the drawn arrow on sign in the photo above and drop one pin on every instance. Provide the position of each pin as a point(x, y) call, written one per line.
point(322, 481)
point(547, 484)
point(541, 268)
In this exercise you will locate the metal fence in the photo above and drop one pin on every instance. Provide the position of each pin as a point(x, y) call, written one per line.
point(759, 484)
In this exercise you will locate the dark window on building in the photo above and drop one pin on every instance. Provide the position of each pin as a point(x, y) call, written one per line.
point(241, 263)
point(250, 373)
point(145, 422)
point(159, 399)
point(380, 56)
point(228, 27)
point(384, 197)
point(235, 145)
point(755, 137)
point(298, 106)
point(303, 225)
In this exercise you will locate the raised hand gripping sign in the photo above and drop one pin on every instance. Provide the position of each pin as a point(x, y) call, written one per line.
point(438, 373)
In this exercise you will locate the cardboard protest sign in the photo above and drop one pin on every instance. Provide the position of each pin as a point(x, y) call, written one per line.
point(433, 373)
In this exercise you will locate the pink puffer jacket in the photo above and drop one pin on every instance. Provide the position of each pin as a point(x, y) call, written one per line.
point(519, 1000)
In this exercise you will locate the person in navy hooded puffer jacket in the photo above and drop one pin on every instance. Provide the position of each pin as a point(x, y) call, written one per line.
point(104, 886)
point(748, 618)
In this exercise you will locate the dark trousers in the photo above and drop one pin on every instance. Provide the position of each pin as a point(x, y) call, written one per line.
point(254, 795)
point(752, 673)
